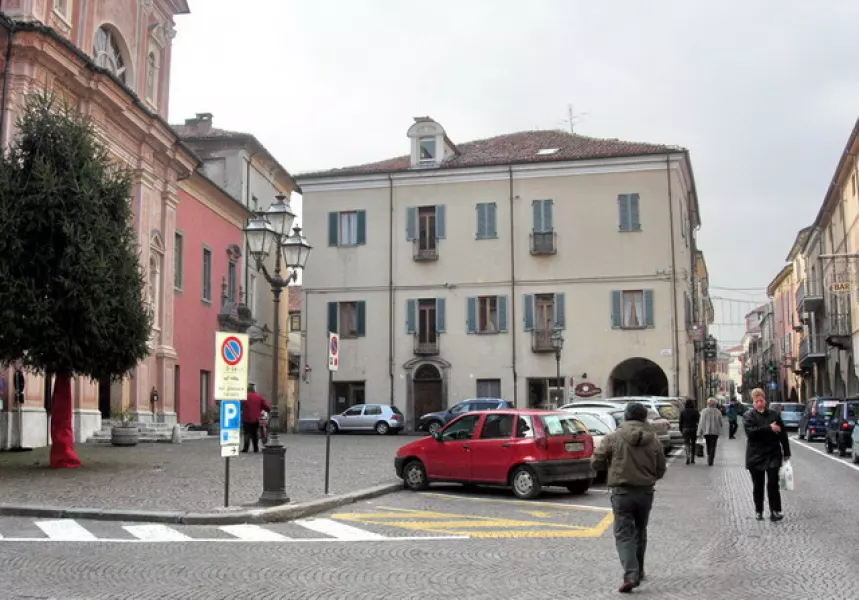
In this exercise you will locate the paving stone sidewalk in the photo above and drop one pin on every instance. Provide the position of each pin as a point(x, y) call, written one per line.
point(190, 476)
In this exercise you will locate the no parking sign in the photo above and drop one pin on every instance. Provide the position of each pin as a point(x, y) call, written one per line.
point(231, 366)
point(333, 351)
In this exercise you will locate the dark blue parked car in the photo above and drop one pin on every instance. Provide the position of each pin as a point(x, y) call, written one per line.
point(816, 417)
point(432, 422)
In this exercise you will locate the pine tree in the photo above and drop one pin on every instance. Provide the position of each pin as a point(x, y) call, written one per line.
point(71, 284)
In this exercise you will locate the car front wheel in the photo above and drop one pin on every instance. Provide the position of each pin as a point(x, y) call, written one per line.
point(332, 427)
point(525, 483)
point(433, 427)
point(415, 476)
point(382, 428)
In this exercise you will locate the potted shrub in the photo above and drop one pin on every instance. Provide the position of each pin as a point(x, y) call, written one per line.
point(124, 431)
point(213, 420)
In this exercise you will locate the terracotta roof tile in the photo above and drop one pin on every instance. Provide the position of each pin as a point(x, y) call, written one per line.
point(191, 132)
point(514, 148)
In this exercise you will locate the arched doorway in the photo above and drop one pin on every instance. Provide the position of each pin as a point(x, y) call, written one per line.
point(428, 390)
point(638, 377)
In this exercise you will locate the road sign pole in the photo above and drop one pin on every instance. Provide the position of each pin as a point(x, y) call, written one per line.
point(333, 365)
point(226, 482)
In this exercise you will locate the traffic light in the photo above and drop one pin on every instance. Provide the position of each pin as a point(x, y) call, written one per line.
point(710, 348)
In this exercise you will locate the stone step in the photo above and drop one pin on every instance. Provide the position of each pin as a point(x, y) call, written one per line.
point(146, 437)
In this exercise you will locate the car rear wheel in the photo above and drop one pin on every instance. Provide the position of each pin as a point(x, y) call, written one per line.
point(415, 476)
point(579, 487)
point(829, 447)
point(855, 456)
point(433, 426)
point(332, 427)
point(525, 483)
point(382, 428)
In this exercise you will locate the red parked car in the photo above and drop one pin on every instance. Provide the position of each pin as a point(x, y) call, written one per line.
point(523, 449)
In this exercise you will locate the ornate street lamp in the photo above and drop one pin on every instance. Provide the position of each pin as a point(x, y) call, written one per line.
point(267, 233)
point(558, 345)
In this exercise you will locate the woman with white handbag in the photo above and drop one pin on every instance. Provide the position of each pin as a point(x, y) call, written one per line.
point(767, 449)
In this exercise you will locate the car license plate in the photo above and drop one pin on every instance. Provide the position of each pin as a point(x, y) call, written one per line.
point(574, 446)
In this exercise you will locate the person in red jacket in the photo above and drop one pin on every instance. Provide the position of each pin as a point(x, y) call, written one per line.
point(251, 412)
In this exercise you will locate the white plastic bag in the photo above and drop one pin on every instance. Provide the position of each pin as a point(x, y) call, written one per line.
point(785, 477)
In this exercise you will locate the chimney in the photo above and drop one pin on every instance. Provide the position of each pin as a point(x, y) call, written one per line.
point(201, 124)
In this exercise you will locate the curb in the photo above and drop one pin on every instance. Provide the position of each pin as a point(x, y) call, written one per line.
point(273, 514)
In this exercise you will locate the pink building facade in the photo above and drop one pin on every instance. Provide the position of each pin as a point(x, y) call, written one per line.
point(782, 291)
point(208, 274)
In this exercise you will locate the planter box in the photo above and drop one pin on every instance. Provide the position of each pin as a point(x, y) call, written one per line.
point(124, 436)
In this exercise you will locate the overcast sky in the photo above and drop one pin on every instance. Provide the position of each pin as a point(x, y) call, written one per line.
point(764, 93)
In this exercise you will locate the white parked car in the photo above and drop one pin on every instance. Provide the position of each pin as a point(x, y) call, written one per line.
point(603, 413)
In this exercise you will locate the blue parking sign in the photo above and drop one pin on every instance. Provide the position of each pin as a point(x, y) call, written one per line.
point(231, 415)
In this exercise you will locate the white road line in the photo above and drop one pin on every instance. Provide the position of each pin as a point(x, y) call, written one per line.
point(420, 538)
point(339, 531)
point(253, 533)
point(156, 533)
point(840, 461)
point(65, 530)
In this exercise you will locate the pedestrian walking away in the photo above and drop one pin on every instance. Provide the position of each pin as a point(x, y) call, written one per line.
point(710, 426)
point(689, 418)
point(634, 461)
point(731, 413)
point(251, 411)
point(767, 447)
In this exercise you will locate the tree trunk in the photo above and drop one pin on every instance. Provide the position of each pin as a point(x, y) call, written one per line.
point(63, 454)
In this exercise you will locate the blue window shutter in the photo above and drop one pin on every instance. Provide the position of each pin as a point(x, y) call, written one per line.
point(537, 215)
point(439, 222)
point(481, 220)
point(439, 315)
point(560, 310)
point(616, 315)
point(411, 224)
point(634, 216)
point(333, 228)
point(502, 314)
point(623, 212)
point(528, 312)
point(361, 317)
point(333, 317)
point(548, 215)
point(471, 312)
point(411, 316)
point(492, 220)
point(648, 308)
point(362, 227)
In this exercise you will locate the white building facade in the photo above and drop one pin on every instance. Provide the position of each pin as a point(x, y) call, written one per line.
point(446, 271)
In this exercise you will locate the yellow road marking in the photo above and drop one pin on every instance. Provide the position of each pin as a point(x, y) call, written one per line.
point(520, 502)
point(543, 514)
point(474, 526)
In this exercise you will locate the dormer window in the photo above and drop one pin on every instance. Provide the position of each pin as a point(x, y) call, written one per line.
point(427, 149)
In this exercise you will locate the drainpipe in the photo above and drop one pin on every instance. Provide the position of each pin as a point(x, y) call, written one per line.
point(248, 204)
point(391, 307)
point(513, 323)
point(675, 338)
point(6, 70)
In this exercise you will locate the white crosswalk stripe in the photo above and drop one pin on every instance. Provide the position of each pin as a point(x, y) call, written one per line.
point(341, 531)
point(155, 533)
point(65, 530)
point(253, 533)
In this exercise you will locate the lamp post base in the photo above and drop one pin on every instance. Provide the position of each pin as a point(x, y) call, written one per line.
point(273, 476)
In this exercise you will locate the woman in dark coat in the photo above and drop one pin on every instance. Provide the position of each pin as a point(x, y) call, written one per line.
point(689, 418)
point(766, 449)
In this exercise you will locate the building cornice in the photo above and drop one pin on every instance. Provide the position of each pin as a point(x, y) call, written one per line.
point(494, 173)
point(215, 199)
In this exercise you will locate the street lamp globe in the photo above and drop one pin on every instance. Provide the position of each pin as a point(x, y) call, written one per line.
point(280, 216)
point(557, 340)
point(296, 250)
point(260, 235)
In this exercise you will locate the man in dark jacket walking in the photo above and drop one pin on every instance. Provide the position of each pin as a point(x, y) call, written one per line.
point(731, 414)
point(634, 460)
point(688, 424)
point(251, 412)
point(766, 449)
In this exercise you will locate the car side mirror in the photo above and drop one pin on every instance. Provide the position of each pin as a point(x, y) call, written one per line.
point(436, 436)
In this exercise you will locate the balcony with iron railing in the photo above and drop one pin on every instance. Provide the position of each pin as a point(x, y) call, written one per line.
point(425, 250)
point(809, 296)
point(541, 340)
point(544, 242)
point(427, 344)
point(812, 348)
point(838, 329)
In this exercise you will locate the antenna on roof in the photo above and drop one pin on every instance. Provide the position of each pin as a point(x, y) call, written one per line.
point(572, 118)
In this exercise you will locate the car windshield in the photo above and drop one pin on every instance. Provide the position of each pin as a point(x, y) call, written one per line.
point(668, 411)
point(556, 425)
point(793, 407)
point(594, 425)
point(617, 416)
point(396, 411)
point(827, 407)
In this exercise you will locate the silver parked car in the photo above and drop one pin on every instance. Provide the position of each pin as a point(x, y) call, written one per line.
point(381, 418)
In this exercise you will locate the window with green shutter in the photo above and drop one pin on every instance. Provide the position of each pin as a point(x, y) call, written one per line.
point(632, 309)
point(628, 212)
point(487, 225)
point(347, 228)
point(486, 314)
point(349, 319)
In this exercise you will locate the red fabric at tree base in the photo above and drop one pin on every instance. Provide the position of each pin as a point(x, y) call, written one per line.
point(63, 455)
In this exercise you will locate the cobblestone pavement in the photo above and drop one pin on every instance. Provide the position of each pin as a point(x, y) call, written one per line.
point(704, 543)
point(190, 476)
